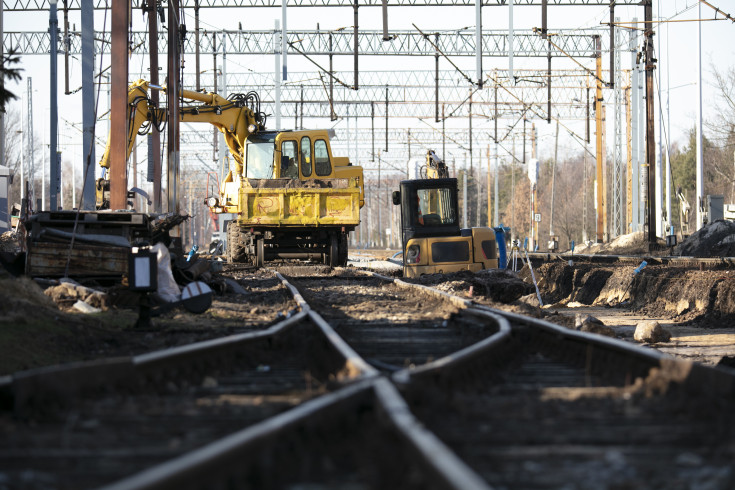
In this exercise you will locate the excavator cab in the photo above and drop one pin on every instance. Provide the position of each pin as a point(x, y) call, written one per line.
point(433, 241)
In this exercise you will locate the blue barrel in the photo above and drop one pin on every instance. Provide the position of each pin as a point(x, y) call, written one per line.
point(500, 242)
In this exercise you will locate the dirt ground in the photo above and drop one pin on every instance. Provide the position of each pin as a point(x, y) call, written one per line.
point(35, 331)
point(697, 307)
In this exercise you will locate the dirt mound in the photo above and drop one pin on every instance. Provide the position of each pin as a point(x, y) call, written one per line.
point(21, 298)
point(498, 285)
point(631, 244)
point(10, 242)
point(717, 239)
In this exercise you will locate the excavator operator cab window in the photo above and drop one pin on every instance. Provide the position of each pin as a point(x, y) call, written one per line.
point(434, 207)
point(305, 156)
point(321, 156)
point(259, 152)
point(289, 169)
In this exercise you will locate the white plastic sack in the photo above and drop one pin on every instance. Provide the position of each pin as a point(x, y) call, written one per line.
point(168, 290)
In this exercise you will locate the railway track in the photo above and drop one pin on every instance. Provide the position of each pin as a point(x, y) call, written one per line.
point(391, 327)
point(549, 408)
point(341, 394)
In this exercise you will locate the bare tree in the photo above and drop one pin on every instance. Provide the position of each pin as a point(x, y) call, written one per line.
point(569, 201)
point(722, 129)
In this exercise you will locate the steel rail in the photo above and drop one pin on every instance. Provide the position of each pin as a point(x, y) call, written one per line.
point(203, 468)
point(220, 463)
point(464, 357)
point(72, 380)
point(696, 378)
point(206, 466)
point(442, 461)
point(355, 364)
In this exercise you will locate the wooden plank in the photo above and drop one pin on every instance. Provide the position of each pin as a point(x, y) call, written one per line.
point(50, 259)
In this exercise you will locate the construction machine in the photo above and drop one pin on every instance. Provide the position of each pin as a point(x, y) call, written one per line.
point(291, 197)
point(433, 241)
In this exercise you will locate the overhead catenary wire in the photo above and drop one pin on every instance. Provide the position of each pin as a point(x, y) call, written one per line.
point(728, 16)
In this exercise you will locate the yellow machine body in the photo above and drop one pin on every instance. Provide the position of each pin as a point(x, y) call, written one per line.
point(433, 241)
point(446, 254)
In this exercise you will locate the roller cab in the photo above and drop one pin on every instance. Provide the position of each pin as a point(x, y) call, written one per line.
point(433, 241)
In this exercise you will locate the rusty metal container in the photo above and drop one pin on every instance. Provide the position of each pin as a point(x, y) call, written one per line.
point(100, 246)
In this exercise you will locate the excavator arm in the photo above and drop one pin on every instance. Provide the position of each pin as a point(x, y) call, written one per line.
point(435, 167)
point(237, 117)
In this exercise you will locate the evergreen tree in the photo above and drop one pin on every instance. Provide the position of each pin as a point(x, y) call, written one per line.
point(11, 73)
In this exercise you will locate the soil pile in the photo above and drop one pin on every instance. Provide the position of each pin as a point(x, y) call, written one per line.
point(717, 239)
point(10, 242)
point(631, 244)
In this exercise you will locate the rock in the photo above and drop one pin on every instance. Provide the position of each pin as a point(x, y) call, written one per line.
point(85, 308)
point(582, 319)
point(683, 306)
point(98, 299)
point(529, 299)
point(67, 294)
point(590, 324)
point(651, 332)
point(234, 287)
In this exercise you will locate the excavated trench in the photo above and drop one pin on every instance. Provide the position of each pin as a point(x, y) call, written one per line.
point(704, 297)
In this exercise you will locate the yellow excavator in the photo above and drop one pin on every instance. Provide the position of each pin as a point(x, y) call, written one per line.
point(433, 241)
point(292, 198)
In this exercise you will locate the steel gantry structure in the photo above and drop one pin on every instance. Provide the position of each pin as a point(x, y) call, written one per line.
point(508, 94)
point(35, 5)
point(526, 43)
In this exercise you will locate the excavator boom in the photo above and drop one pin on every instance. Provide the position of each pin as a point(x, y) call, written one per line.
point(237, 118)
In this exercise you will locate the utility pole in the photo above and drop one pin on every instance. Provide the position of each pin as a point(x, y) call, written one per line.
point(88, 114)
point(630, 187)
point(478, 49)
point(600, 150)
point(55, 167)
point(197, 68)
point(650, 128)
point(223, 91)
point(118, 105)
point(513, 189)
point(489, 213)
point(155, 136)
point(495, 138)
point(172, 94)
point(277, 77)
point(30, 143)
point(553, 182)
point(634, 133)
point(215, 131)
point(699, 199)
